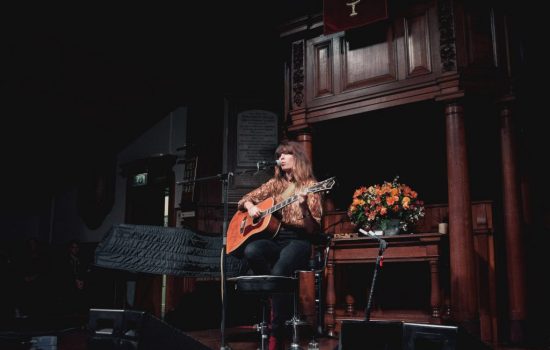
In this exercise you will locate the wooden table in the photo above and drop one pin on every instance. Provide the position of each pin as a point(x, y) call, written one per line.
point(401, 248)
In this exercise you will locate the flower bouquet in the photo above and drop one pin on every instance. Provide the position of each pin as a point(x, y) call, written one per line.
point(376, 206)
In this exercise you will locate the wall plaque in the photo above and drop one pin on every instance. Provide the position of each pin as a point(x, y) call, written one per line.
point(256, 137)
point(253, 137)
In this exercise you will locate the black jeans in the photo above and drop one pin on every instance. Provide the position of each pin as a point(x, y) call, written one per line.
point(280, 256)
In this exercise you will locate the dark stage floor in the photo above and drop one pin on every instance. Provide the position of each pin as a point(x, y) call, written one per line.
point(72, 333)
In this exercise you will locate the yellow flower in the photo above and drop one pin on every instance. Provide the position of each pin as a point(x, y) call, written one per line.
point(405, 202)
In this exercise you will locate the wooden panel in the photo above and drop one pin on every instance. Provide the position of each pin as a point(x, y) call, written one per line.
point(337, 222)
point(426, 50)
point(368, 60)
point(479, 32)
point(384, 65)
point(418, 45)
point(482, 216)
point(322, 76)
point(486, 283)
point(435, 214)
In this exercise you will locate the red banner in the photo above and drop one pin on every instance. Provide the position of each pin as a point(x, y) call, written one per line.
point(340, 15)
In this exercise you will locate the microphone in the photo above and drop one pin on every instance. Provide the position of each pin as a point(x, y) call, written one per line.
point(267, 163)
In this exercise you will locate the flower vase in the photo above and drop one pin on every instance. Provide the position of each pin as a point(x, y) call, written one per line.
point(392, 227)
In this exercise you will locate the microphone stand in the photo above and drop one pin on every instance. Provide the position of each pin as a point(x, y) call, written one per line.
point(224, 177)
point(377, 267)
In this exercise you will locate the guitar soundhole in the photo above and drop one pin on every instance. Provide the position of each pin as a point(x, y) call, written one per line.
point(255, 221)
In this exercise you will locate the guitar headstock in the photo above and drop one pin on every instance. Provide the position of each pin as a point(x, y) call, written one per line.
point(324, 185)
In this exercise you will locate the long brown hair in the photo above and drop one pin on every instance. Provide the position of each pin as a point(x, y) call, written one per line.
point(303, 170)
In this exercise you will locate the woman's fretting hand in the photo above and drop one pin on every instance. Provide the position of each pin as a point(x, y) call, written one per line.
point(302, 197)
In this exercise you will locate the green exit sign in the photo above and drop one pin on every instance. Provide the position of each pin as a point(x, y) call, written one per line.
point(139, 180)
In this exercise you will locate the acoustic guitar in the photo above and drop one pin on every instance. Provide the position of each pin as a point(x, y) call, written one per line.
point(242, 227)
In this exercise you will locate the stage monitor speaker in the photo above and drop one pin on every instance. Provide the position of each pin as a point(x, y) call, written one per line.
point(390, 335)
point(417, 336)
point(372, 335)
point(112, 329)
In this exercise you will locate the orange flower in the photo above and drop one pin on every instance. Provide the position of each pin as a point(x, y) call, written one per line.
point(391, 199)
point(359, 191)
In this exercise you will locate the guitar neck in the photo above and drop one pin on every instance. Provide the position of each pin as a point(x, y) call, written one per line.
point(320, 186)
point(281, 205)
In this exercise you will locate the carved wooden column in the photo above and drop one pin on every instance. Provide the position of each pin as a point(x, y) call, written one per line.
point(330, 317)
point(464, 294)
point(435, 295)
point(305, 138)
point(515, 246)
point(297, 103)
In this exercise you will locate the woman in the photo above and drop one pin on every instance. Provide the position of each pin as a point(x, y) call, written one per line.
point(290, 249)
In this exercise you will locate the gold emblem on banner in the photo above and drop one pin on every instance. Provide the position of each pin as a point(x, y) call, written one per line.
point(352, 4)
